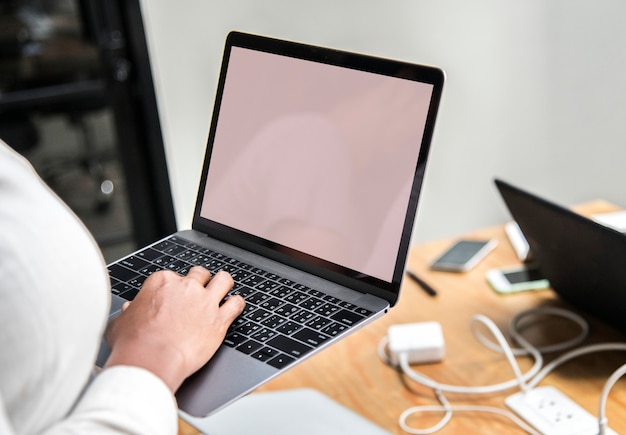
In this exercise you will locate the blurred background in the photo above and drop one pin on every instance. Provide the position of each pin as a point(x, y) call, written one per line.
point(535, 90)
point(111, 100)
point(77, 99)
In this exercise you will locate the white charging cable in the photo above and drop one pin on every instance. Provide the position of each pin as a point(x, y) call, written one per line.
point(449, 409)
point(519, 381)
point(525, 381)
point(602, 420)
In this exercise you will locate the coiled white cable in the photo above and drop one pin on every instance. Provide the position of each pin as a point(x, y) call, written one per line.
point(515, 329)
point(449, 409)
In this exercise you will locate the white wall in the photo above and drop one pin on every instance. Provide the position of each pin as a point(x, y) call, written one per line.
point(536, 90)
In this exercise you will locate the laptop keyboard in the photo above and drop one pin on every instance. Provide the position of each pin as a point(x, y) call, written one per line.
point(282, 320)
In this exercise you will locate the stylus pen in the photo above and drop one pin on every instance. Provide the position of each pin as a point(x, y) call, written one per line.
point(428, 289)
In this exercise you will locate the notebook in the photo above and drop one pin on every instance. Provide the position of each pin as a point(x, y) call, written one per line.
point(314, 164)
point(583, 259)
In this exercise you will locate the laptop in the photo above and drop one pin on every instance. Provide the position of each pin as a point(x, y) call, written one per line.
point(309, 187)
point(583, 260)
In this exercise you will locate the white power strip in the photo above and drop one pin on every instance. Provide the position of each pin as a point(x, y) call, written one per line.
point(553, 413)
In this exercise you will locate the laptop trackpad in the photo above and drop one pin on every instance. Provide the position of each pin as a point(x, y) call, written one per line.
point(228, 375)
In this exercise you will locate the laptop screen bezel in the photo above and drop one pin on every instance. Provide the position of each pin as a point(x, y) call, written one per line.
point(339, 274)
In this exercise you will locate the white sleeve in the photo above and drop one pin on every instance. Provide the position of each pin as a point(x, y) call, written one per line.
point(53, 310)
point(122, 400)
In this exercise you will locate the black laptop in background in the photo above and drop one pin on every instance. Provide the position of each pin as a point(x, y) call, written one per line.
point(309, 189)
point(584, 261)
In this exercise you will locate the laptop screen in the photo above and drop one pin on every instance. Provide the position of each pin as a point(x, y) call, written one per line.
point(316, 158)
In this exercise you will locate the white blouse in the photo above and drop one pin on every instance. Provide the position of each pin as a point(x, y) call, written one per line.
point(54, 300)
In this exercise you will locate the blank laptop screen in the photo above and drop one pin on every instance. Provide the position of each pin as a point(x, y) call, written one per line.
point(316, 158)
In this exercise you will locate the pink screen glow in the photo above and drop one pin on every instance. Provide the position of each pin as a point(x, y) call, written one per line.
point(316, 158)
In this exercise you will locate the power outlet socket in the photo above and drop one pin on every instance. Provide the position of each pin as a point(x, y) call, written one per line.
point(553, 413)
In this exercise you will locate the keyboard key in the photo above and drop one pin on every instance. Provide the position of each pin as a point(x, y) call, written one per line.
point(238, 322)
point(296, 297)
point(174, 250)
point(186, 255)
point(327, 310)
point(195, 247)
point(302, 316)
point(165, 244)
point(259, 315)
point(281, 291)
point(264, 334)
point(257, 271)
point(249, 308)
point(347, 317)
point(249, 346)
point(281, 361)
point(214, 265)
point(287, 282)
point(364, 312)
point(130, 294)
point(149, 254)
point(253, 280)
point(289, 346)
point(200, 259)
point(348, 306)
point(179, 241)
point(287, 310)
point(121, 287)
point(318, 322)
point(122, 273)
point(228, 268)
point(289, 327)
point(248, 328)
point(150, 269)
point(272, 276)
point(316, 293)
point(311, 303)
point(239, 275)
point(245, 291)
point(271, 304)
point(332, 299)
point(164, 260)
point(257, 298)
point(177, 265)
point(265, 353)
point(266, 285)
point(334, 328)
point(234, 339)
point(273, 321)
point(310, 337)
point(137, 281)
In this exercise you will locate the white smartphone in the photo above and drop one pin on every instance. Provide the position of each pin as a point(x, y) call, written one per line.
point(463, 255)
point(517, 278)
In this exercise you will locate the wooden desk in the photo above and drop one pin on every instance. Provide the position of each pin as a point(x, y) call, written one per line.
point(351, 373)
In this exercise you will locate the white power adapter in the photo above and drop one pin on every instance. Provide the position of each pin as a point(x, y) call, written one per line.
point(422, 342)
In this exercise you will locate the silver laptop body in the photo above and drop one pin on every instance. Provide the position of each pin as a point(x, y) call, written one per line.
point(309, 189)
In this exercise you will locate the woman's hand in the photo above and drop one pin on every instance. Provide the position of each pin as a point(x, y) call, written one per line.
point(175, 324)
